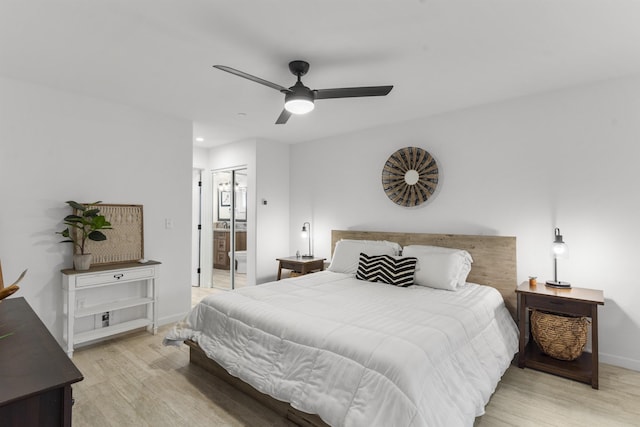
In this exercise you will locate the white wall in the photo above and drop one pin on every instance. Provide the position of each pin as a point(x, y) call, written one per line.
point(57, 146)
point(565, 159)
point(272, 221)
point(200, 158)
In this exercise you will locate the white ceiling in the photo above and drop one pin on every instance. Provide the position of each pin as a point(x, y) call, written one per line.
point(440, 55)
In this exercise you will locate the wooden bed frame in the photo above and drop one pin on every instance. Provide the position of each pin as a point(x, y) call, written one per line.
point(494, 264)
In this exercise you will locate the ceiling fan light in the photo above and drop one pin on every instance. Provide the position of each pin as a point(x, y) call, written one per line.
point(299, 105)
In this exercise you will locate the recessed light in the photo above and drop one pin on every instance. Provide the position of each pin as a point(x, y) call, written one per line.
point(200, 139)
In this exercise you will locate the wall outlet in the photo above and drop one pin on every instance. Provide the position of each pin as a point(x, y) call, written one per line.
point(105, 319)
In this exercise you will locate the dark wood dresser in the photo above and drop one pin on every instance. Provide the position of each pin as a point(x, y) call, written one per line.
point(35, 373)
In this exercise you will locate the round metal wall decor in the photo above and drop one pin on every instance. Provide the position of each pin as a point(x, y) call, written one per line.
point(410, 176)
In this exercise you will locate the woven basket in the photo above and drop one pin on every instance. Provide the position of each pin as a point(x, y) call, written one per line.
point(561, 337)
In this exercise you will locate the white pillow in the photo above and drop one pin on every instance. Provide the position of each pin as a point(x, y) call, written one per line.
point(347, 253)
point(438, 267)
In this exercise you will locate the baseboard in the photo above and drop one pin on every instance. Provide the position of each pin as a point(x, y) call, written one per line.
point(622, 362)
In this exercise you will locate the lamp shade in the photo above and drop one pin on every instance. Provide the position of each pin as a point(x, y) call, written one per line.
point(306, 234)
point(299, 106)
point(559, 248)
point(299, 100)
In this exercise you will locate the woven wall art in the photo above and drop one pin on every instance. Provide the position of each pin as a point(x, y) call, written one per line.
point(410, 176)
point(125, 241)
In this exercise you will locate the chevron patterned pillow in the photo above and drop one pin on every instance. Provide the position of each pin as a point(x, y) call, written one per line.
point(395, 271)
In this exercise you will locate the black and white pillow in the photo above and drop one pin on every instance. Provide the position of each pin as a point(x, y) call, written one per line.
point(386, 269)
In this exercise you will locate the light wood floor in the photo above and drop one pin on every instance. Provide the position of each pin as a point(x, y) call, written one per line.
point(222, 279)
point(526, 397)
point(134, 380)
point(222, 283)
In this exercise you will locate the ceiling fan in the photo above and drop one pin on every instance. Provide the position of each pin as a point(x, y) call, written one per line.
point(299, 99)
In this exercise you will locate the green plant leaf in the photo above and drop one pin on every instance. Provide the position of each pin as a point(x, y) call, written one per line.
point(86, 224)
point(99, 222)
point(97, 236)
point(76, 205)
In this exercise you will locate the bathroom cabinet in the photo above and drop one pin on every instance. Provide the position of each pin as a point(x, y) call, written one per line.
point(222, 246)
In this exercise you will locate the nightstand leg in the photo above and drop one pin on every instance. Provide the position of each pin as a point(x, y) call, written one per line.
point(522, 310)
point(594, 346)
point(71, 315)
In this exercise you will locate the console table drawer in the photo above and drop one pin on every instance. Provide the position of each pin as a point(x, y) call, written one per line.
point(557, 305)
point(111, 277)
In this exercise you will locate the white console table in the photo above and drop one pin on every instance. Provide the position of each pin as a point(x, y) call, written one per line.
point(78, 287)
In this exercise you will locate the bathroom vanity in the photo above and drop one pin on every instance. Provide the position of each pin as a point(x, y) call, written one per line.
point(222, 246)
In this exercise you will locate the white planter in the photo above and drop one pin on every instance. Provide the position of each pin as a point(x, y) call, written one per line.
point(82, 262)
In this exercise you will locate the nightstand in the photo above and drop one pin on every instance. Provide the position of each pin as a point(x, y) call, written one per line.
point(300, 265)
point(573, 302)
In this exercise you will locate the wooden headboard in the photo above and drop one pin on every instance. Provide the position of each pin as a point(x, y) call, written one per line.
point(494, 257)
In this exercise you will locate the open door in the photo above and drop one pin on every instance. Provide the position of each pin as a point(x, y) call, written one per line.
point(229, 228)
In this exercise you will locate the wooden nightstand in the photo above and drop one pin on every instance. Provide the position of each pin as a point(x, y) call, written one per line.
point(300, 265)
point(573, 302)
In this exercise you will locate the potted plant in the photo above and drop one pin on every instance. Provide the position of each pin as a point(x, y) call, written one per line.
point(83, 224)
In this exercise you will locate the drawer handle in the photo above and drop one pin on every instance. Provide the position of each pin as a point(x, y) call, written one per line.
point(118, 276)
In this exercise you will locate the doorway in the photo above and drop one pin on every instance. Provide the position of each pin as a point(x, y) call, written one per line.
point(229, 197)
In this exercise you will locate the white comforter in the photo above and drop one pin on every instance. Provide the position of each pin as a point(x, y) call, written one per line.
point(358, 353)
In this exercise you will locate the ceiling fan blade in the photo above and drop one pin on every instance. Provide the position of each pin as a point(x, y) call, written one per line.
point(283, 117)
point(252, 78)
point(352, 92)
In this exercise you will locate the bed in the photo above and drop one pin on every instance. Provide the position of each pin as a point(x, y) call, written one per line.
point(329, 349)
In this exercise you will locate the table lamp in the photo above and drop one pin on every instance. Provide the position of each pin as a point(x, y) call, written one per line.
point(306, 234)
point(559, 250)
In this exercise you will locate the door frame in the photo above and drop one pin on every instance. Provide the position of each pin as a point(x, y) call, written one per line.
point(208, 218)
